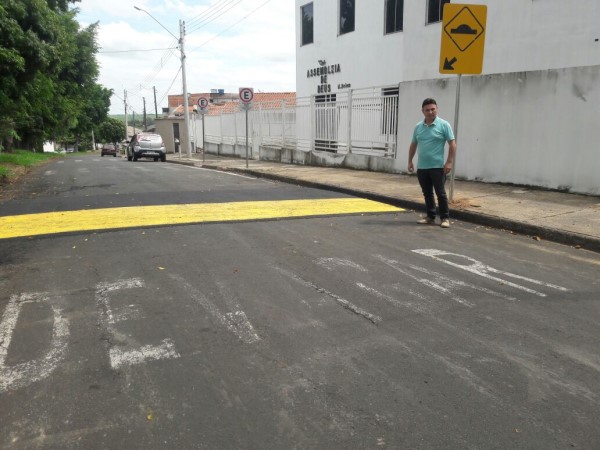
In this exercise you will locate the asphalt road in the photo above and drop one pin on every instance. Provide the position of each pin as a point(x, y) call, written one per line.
point(338, 330)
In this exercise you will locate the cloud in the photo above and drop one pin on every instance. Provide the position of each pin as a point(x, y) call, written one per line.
point(251, 44)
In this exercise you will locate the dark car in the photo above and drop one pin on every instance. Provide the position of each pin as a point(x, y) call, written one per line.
point(108, 149)
point(146, 145)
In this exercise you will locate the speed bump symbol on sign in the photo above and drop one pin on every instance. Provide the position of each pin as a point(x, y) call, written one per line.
point(463, 39)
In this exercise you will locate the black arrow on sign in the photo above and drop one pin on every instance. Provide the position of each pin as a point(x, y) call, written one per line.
point(448, 64)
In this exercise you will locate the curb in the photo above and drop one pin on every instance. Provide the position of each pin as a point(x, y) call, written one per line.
point(545, 233)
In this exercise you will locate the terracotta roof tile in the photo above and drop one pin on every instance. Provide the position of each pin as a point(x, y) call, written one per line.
point(230, 102)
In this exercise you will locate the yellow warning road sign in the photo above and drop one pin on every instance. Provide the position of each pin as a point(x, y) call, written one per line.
point(463, 39)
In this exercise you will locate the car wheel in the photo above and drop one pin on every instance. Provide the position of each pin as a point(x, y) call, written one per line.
point(115, 155)
point(155, 159)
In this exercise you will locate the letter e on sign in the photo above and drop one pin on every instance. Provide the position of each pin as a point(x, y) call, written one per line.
point(246, 95)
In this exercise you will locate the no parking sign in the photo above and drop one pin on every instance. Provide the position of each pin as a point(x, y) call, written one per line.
point(246, 94)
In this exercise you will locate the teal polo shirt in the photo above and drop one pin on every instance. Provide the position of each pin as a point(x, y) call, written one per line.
point(431, 140)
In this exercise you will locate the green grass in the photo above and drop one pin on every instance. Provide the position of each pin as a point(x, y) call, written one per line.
point(21, 158)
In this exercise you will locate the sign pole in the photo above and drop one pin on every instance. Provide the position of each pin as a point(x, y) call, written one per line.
point(456, 112)
point(246, 136)
point(461, 52)
point(203, 143)
point(203, 104)
point(246, 96)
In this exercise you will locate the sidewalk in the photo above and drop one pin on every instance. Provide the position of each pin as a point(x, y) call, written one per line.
point(555, 216)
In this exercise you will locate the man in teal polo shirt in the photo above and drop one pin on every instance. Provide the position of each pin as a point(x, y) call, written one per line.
point(429, 138)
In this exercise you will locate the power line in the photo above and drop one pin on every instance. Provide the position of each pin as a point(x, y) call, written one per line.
point(229, 27)
point(140, 50)
point(212, 17)
point(208, 11)
point(170, 86)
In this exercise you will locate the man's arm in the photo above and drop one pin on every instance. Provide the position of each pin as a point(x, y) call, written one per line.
point(411, 154)
point(451, 155)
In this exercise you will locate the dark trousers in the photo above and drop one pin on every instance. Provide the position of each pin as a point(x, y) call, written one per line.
point(430, 180)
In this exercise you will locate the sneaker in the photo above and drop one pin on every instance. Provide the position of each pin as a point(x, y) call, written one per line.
point(445, 223)
point(426, 221)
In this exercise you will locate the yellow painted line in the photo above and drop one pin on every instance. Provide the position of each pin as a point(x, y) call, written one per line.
point(144, 216)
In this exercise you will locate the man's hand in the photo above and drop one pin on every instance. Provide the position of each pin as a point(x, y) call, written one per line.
point(447, 168)
point(411, 167)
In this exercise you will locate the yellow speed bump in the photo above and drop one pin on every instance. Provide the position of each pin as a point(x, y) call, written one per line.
point(144, 216)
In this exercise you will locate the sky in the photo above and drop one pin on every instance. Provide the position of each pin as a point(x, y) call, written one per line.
point(228, 44)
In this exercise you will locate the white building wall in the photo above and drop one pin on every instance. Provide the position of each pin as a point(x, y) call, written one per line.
point(521, 35)
point(531, 128)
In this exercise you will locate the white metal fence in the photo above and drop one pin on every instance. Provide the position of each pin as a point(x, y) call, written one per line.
point(357, 121)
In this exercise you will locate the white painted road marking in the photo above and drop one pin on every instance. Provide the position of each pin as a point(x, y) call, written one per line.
point(483, 270)
point(21, 375)
point(235, 321)
point(342, 301)
point(120, 357)
point(331, 263)
point(166, 350)
point(440, 284)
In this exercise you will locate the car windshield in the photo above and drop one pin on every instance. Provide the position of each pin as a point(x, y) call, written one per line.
point(151, 137)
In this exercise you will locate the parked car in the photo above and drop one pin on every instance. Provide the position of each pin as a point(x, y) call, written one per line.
point(146, 145)
point(108, 149)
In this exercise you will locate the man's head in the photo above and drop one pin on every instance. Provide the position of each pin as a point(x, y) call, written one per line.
point(429, 109)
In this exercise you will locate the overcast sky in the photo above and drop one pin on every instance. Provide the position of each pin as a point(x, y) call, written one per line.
point(229, 44)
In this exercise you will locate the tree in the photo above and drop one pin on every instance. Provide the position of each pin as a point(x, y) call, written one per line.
point(111, 130)
point(48, 73)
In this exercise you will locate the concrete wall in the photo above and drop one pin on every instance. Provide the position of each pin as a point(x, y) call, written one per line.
point(533, 128)
point(164, 127)
point(521, 35)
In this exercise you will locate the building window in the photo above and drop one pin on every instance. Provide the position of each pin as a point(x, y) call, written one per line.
point(394, 15)
point(389, 111)
point(307, 23)
point(346, 16)
point(435, 10)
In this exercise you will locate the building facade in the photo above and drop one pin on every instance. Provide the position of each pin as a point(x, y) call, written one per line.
point(356, 44)
point(363, 68)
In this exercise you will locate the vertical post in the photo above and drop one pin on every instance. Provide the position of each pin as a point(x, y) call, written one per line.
point(247, 136)
point(155, 106)
point(282, 124)
point(312, 120)
point(126, 124)
point(186, 112)
point(349, 121)
point(456, 112)
point(235, 132)
point(397, 118)
point(145, 122)
point(203, 142)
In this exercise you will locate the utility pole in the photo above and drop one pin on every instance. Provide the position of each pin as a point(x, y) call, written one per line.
point(126, 124)
point(186, 113)
point(155, 107)
point(145, 123)
point(181, 40)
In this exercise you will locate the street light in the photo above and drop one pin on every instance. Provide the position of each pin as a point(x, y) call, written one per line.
point(180, 39)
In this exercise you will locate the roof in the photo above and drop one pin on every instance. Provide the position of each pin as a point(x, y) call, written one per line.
point(267, 100)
